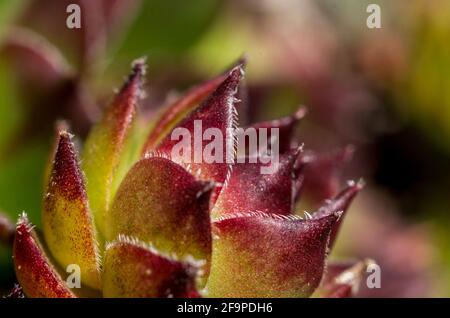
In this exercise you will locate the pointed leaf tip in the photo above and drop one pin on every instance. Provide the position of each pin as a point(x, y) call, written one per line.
point(67, 223)
point(322, 172)
point(133, 269)
point(61, 125)
point(175, 112)
point(217, 112)
point(109, 149)
point(340, 202)
point(132, 88)
point(35, 273)
point(266, 255)
point(286, 128)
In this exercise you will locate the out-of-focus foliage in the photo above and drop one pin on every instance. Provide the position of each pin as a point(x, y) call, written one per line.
point(163, 29)
point(425, 96)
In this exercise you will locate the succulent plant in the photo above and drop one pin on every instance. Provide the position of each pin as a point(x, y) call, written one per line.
point(141, 223)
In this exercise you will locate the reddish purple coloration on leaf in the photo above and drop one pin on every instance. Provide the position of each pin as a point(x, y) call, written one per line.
point(156, 210)
point(34, 271)
point(180, 108)
point(133, 269)
point(60, 126)
point(339, 291)
point(160, 202)
point(248, 189)
point(340, 202)
point(68, 227)
point(286, 126)
point(123, 107)
point(342, 280)
point(267, 255)
point(322, 173)
point(175, 112)
point(218, 112)
point(66, 175)
point(106, 157)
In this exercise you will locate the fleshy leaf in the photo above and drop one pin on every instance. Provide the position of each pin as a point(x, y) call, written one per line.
point(133, 269)
point(322, 173)
point(175, 112)
point(286, 126)
point(217, 112)
point(248, 189)
point(160, 202)
point(67, 224)
point(342, 280)
point(262, 255)
point(35, 273)
point(7, 230)
point(340, 202)
point(106, 156)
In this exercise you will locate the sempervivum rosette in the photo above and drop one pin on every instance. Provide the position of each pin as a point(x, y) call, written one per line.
point(141, 222)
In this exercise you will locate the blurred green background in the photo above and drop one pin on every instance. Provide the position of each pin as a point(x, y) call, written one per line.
point(383, 90)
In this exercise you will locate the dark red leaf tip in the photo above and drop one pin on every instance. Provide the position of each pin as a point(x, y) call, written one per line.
point(135, 79)
point(23, 224)
point(33, 269)
point(66, 174)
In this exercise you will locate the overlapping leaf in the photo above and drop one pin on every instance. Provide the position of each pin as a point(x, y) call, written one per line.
point(68, 227)
point(106, 157)
point(286, 128)
point(156, 210)
point(160, 202)
point(249, 189)
point(322, 173)
point(176, 111)
point(133, 269)
point(217, 113)
point(262, 255)
point(340, 202)
point(34, 271)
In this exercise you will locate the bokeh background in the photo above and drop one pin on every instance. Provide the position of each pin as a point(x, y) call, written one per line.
point(386, 91)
